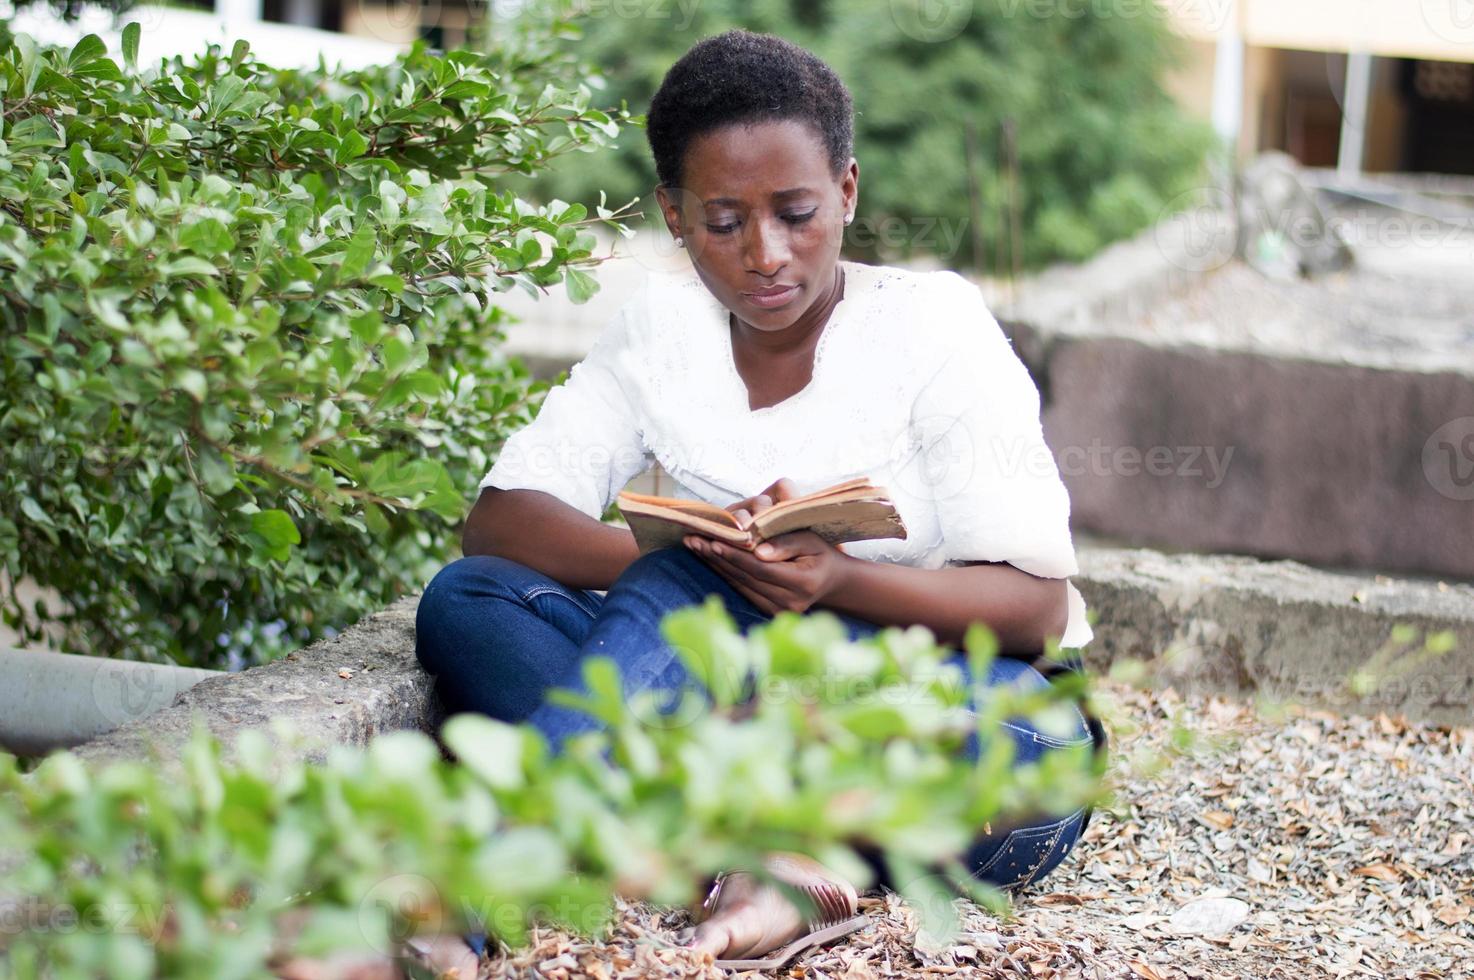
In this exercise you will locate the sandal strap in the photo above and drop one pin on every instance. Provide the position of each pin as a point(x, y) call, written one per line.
point(780, 957)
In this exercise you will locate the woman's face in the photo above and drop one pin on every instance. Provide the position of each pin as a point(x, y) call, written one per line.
point(763, 218)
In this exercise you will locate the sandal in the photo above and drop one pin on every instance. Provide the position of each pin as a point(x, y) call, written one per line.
point(782, 933)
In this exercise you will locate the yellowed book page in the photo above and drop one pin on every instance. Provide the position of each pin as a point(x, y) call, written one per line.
point(647, 502)
point(829, 520)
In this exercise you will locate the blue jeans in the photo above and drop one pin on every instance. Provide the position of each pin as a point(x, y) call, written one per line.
point(497, 635)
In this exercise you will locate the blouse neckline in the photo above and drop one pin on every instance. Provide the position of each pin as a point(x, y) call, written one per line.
point(842, 309)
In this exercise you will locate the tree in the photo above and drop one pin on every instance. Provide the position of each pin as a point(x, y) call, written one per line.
point(991, 134)
point(249, 328)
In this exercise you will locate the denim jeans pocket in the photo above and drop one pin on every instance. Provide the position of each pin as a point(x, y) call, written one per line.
point(1025, 854)
point(1060, 741)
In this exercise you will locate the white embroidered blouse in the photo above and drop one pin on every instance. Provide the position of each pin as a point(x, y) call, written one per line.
point(914, 385)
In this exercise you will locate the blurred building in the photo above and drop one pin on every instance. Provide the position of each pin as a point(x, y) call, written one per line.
point(1363, 85)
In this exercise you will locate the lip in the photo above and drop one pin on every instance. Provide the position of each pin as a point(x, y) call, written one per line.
point(771, 297)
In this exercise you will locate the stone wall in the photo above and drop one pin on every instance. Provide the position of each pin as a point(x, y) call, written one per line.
point(1209, 408)
point(1203, 623)
point(340, 691)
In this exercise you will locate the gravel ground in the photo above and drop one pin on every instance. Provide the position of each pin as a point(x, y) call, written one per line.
point(1273, 843)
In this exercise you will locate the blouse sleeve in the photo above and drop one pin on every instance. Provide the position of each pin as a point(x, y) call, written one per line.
point(996, 488)
point(586, 441)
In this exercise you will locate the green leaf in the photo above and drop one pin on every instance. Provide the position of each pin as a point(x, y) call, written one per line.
point(225, 92)
point(34, 511)
point(277, 531)
point(351, 146)
point(397, 354)
point(581, 285)
point(388, 281)
point(466, 89)
point(89, 49)
point(208, 237)
point(194, 384)
point(492, 749)
point(188, 266)
point(131, 32)
point(359, 253)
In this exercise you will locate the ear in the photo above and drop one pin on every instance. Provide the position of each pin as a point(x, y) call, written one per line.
point(849, 186)
point(670, 209)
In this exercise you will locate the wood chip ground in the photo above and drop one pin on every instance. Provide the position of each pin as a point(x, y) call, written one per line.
point(1346, 839)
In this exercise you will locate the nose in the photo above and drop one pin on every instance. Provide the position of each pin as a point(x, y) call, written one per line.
point(766, 249)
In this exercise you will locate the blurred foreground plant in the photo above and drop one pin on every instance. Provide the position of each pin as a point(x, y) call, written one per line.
point(249, 325)
point(226, 868)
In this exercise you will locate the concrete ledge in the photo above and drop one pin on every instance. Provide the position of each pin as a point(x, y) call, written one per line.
point(1223, 624)
point(1281, 630)
point(384, 690)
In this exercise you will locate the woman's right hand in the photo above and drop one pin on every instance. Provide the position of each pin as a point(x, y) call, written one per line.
point(745, 510)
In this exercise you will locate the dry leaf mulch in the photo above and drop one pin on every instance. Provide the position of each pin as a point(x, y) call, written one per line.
point(1277, 844)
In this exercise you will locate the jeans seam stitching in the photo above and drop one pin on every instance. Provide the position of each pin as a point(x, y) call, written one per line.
point(1049, 739)
point(1027, 833)
point(562, 593)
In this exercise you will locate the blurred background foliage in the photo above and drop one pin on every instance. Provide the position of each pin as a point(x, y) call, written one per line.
point(999, 137)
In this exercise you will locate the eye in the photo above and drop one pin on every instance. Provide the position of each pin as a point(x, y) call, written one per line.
point(798, 219)
point(725, 229)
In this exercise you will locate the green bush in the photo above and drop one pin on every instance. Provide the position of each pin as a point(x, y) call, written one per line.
point(250, 328)
point(975, 122)
point(220, 868)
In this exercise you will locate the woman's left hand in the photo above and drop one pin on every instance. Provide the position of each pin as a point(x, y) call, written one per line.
point(791, 572)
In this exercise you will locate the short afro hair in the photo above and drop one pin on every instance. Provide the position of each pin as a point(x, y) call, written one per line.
point(741, 77)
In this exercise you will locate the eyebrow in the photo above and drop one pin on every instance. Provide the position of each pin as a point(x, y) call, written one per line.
point(729, 201)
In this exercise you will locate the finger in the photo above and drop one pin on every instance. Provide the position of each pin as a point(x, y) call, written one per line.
point(751, 591)
point(782, 489)
point(745, 587)
point(767, 596)
point(746, 510)
point(774, 579)
point(791, 545)
point(760, 602)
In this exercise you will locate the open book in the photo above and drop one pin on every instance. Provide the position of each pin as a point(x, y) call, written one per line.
point(854, 510)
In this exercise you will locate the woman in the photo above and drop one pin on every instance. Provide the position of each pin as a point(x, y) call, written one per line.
point(776, 370)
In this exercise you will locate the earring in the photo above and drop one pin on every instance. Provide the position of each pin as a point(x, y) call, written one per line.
point(848, 218)
point(680, 242)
